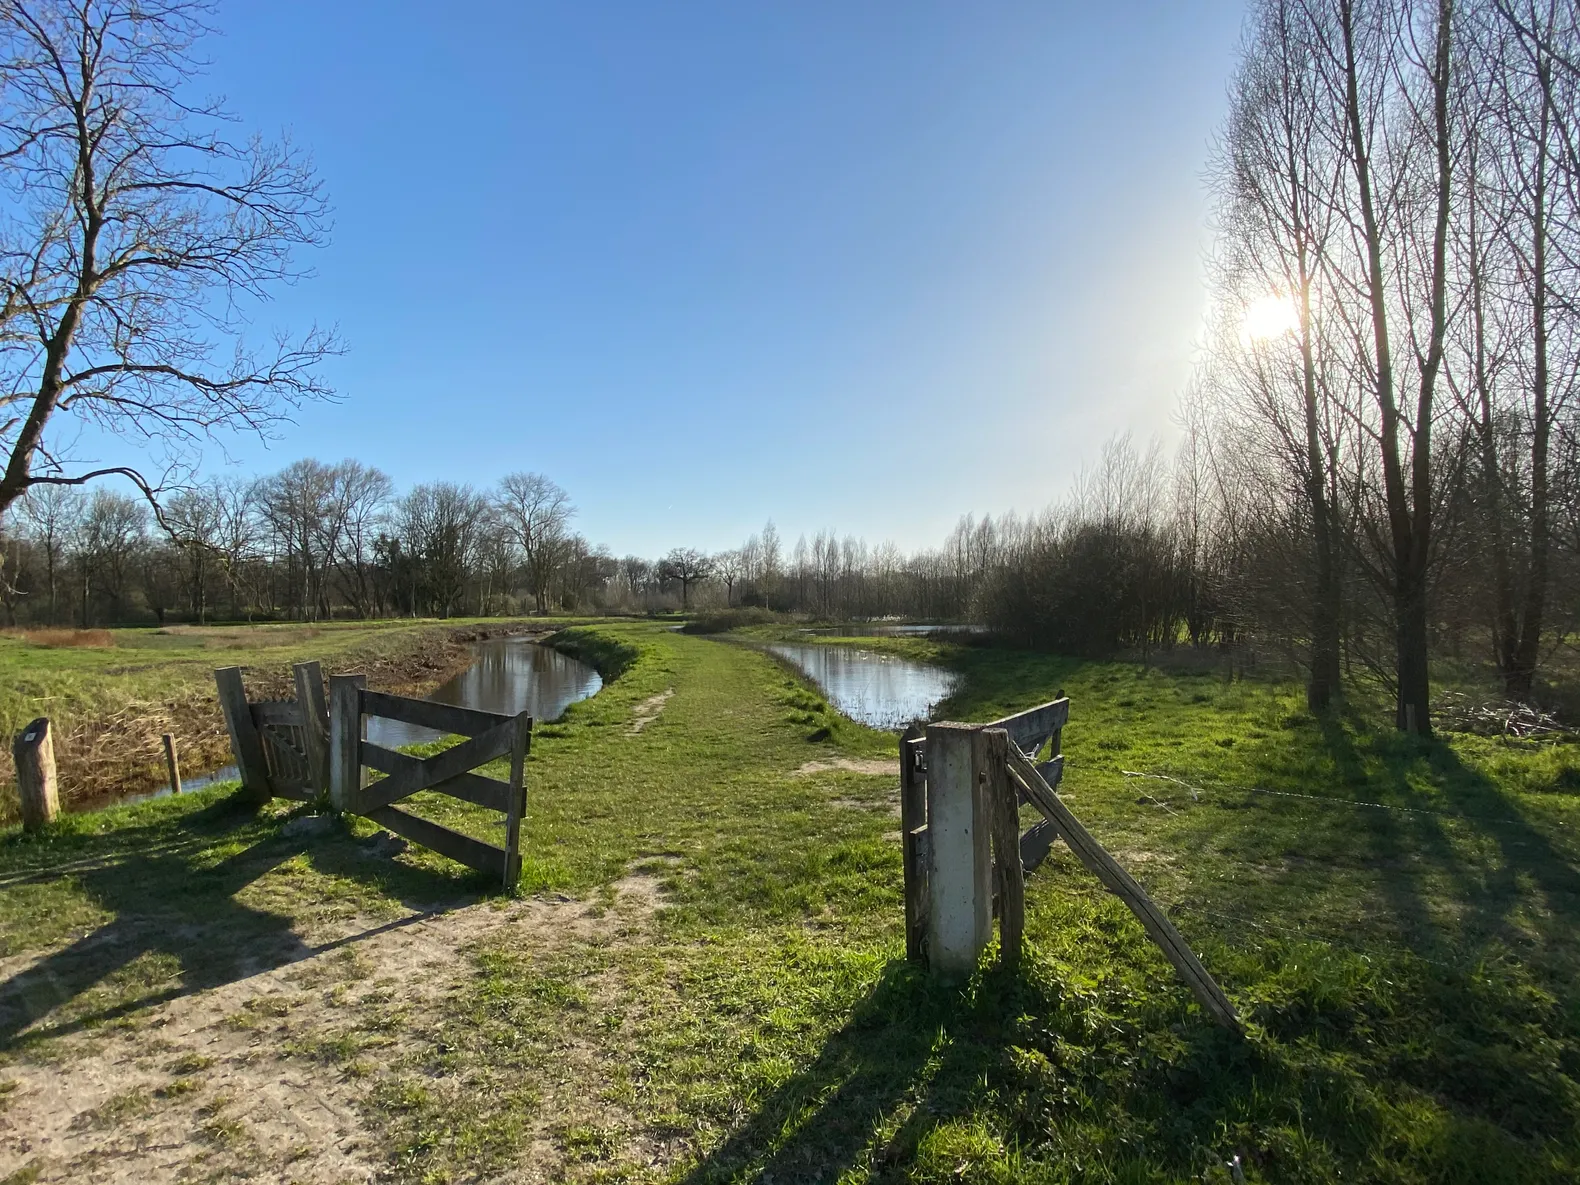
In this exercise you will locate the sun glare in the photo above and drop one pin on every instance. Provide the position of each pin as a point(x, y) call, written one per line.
point(1268, 317)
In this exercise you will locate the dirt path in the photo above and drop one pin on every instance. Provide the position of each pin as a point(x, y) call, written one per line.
point(648, 711)
point(249, 1079)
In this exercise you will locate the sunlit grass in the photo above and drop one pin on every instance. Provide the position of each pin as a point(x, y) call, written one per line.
point(1394, 919)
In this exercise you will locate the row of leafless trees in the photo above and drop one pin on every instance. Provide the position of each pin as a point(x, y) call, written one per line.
point(1384, 430)
point(1380, 464)
point(316, 541)
point(309, 542)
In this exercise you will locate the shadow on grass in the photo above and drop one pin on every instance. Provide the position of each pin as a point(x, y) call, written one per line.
point(896, 1088)
point(171, 900)
point(1458, 860)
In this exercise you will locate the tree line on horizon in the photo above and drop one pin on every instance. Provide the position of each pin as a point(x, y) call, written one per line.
point(317, 541)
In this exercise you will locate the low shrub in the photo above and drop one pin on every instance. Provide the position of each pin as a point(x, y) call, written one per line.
point(720, 621)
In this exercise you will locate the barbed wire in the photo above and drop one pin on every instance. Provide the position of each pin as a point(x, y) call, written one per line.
point(1328, 800)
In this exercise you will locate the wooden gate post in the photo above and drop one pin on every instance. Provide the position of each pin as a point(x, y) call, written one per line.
point(315, 722)
point(245, 742)
point(991, 758)
point(516, 805)
point(345, 739)
point(172, 766)
point(959, 849)
point(34, 754)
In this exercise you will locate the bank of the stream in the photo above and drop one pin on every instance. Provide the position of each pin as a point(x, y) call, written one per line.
point(702, 981)
point(111, 703)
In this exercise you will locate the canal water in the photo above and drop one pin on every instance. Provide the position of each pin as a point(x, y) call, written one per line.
point(878, 690)
point(510, 675)
point(893, 629)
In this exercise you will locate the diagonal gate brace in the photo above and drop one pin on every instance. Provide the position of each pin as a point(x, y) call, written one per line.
point(1124, 886)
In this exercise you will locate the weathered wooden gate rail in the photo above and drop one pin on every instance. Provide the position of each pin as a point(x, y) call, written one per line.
point(491, 736)
point(965, 856)
point(305, 749)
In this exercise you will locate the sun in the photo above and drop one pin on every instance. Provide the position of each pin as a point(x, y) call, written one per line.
point(1268, 317)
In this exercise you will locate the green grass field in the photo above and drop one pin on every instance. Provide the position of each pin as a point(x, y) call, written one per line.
point(1395, 920)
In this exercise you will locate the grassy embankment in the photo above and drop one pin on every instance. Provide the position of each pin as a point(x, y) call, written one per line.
point(112, 698)
point(1408, 971)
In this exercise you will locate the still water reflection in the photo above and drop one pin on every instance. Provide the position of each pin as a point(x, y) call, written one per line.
point(510, 675)
point(877, 690)
point(890, 629)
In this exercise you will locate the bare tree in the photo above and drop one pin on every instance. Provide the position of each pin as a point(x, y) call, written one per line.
point(688, 565)
point(1277, 178)
point(443, 526)
point(730, 567)
point(1520, 125)
point(110, 535)
point(772, 561)
point(1386, 71)
point(537, 513)
point(134, 235)
point(237, 538)
point(298, 504)
point(55, 514)
point(359, 502)
point(194, 518)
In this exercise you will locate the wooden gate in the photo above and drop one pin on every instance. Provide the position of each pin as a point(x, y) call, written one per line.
point(281, 746)
point(490, 736)
point(965, 855)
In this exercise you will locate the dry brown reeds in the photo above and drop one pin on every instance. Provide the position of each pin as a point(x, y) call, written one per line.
point(59, 638)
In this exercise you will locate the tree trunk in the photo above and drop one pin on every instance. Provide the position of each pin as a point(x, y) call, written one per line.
point(1520, 675)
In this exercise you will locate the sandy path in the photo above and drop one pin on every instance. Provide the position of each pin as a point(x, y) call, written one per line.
point(224, 1083)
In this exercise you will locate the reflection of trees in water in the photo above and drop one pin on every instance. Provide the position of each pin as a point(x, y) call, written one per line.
point(510, 675)
point(879, 691)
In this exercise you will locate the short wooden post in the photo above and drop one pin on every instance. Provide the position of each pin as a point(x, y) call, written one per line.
point(315, 722)
point(516, 804)
point(33, 750)
point(960, 859)
point(345, 740)
point(171, 764)
point(991, 758)
point(913, 821)
point(245, 742)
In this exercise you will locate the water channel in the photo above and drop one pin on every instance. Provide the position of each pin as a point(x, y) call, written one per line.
point(894, 629)
point(878, 690)
point(510, 675)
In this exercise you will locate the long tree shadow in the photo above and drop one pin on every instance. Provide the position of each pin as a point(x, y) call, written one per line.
point(916, 1055)
point(1434, 936)
point(1458, 857)
point(176, 925)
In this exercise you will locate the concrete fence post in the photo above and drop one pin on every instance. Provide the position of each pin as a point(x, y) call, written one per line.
point(959, 851)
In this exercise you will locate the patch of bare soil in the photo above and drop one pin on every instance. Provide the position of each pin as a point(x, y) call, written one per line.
point(848, 765)
point(251, 1079)
point(648, 711)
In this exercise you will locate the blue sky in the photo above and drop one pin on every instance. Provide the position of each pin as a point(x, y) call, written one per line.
point(866, 266)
